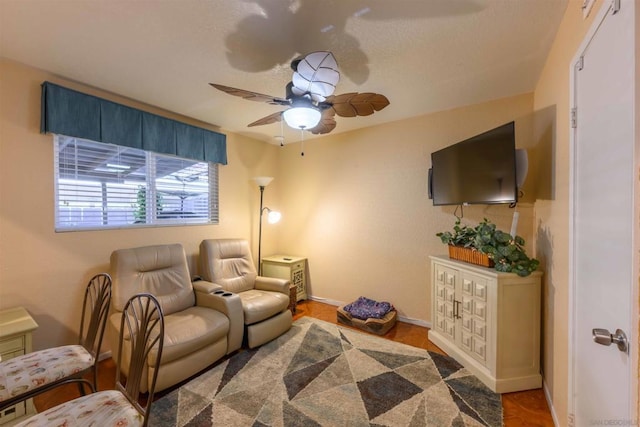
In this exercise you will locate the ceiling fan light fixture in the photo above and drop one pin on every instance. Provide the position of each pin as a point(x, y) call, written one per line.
point(302, 117)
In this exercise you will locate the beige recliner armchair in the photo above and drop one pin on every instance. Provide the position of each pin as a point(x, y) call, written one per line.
point(265, 300)
point(202, 322)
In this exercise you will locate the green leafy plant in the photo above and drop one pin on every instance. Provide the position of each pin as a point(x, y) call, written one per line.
point(506, 251)
point(140, 206)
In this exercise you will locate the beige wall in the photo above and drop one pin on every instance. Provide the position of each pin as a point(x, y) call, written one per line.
point(356, 204)
point(552, 135)
point(46, 271)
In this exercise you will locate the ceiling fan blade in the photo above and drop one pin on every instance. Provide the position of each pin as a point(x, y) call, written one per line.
point(316, 74)
point(271, 118)
point(251, 96)
point(357, 104)
point(327, 123)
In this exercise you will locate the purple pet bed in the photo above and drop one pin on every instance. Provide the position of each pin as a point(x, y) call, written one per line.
point(368, 315)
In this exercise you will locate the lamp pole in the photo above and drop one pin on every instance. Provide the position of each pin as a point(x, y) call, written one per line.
point(260, 233)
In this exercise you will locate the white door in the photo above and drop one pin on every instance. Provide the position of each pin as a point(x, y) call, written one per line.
point(603, 220)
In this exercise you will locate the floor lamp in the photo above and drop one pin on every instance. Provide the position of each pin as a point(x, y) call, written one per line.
point(272, 216)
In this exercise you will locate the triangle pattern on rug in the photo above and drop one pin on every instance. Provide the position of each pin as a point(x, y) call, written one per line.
point(310, 352)
point(391, 360)
point(464, 408)
point(478, 399)
point(235, 365)
point(341, 405)
point(202, 418)
point(298, 380)
point(445, 364)
point(383, 392)
point(257, 396)
point(335, 375)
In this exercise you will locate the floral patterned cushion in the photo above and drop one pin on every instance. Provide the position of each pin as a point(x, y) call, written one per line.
point(104, 409)
point(30, 371)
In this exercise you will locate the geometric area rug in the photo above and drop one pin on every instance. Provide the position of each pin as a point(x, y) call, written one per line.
point(321, 374)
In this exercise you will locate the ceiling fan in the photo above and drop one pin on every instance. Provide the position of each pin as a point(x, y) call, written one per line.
point(309, 96)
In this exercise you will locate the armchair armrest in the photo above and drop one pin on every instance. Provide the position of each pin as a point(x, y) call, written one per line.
point(273, 284)
point(206, 287)
point(211, 295)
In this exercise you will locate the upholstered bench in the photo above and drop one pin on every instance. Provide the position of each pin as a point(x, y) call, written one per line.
point(373, 325)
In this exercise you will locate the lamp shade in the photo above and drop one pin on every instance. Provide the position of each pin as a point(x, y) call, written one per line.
point(263, 181)
point(273, 217)
point(302, 117)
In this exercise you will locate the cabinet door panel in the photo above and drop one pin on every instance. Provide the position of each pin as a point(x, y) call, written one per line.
point(467, 286)
point(480, 290)
point(480, 329)
point(450, 329)
point(449, 278)
point(479, 349)
point(441, 308)
point(467, 324)
point(480, 309)
point(467, 305)
point(465, 341)
point(449, 295)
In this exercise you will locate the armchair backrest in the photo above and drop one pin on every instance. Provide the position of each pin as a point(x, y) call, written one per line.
point(160, 270)
point(228, 263)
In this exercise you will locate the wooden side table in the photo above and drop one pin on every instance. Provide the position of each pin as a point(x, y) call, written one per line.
point(16, 326)
point(287, 267)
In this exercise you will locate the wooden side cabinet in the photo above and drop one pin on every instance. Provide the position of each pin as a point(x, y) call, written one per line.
point(288, 267)
point(488, 321)
point(16, 326)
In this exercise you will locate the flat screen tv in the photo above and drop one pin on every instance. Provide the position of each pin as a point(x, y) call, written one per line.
point(478, 170)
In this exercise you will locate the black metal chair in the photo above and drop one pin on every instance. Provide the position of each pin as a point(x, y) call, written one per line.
point(142, 324)
point(28, 375)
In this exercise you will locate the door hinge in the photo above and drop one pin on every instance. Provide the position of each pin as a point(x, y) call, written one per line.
point(574, 117)
point(615, 6)
point(580, 63)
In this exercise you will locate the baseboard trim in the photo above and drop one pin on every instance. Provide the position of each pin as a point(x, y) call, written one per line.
point(405, 319)
point(547, 396)
point(104, 356)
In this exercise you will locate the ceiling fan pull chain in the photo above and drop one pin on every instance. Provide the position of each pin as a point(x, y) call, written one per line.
point(281, 132)
point(302, 146)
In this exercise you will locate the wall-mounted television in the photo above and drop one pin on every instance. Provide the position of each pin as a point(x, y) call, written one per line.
point(478, 170)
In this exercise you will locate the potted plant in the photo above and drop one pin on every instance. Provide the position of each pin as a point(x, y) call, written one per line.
point(483, 242)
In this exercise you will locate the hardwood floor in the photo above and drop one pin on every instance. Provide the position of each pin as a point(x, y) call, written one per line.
point(527, 408)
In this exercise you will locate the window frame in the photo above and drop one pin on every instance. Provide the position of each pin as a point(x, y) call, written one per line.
point(128, 190)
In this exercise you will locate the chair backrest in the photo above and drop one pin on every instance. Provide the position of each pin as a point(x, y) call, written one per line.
point(143, 324)
point(160, 270)
point(95, 310)
point(228, 263)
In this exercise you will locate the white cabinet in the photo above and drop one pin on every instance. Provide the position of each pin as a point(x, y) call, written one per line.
point(287, 267)
point(16, 326)
point(488, 321)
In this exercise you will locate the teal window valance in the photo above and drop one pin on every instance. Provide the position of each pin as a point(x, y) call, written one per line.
point(72, 113)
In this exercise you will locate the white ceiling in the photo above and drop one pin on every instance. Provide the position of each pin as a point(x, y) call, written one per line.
point(424, 55)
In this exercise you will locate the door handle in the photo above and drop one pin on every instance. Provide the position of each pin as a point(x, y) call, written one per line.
point(604, 337)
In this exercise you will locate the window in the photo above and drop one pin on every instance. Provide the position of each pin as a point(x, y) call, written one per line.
point(101, 186)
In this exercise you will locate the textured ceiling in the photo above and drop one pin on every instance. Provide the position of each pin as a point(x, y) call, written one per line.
point(424, 55)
